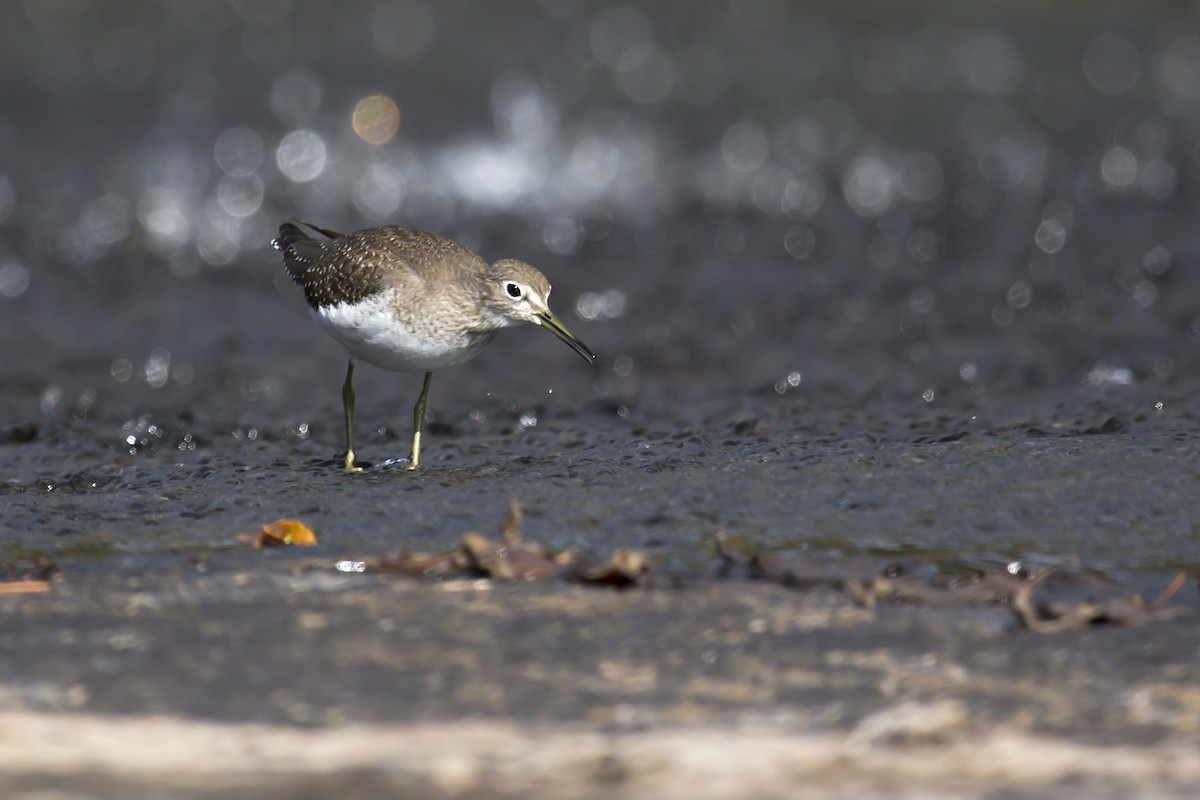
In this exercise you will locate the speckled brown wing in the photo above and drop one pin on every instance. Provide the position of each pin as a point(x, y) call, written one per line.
point(322, 267)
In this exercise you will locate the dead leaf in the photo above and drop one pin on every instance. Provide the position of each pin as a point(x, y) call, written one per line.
point(285, 532)
point(515, 561)
point(510, 525)
point(24, 587)
point(623, 568)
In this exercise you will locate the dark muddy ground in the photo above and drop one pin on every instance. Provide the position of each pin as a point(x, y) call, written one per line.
point(864, 291)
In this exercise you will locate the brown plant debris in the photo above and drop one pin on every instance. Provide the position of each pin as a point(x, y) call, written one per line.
point(623, 568)
point(512, 523)
point(513, 559)
point(26, 577)
point(869, 583)
point(1055, 617)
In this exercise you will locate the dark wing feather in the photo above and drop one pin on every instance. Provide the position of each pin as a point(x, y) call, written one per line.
point(323, 231)
point(300, 251)
point(332, 270)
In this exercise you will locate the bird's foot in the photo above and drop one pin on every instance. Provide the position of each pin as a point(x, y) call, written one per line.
point(414, 460)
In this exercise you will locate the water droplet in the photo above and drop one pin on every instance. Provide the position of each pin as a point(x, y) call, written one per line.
point(240, 195)
point(1145, 293)
point(868, 185)
point(1111, 63)
point(157, 367)
point(744, 147)
point(1119, 168)
point(561, 236)
point(122, 369)
point(1157, 260)
point(1051, 235)
point(1019, 295)
point(238, 151)
point(800, 242)
point(301, 155)
point(1105, 375)
point(14, 279)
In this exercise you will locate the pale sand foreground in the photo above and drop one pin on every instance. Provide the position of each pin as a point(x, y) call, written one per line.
point(909, 751)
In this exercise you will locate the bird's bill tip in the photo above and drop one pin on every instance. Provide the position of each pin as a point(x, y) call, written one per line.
point(550, 322)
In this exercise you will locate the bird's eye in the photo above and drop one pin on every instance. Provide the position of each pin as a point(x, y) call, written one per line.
point(514, 291)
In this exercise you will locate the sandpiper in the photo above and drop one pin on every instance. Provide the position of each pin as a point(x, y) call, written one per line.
point(407, 300)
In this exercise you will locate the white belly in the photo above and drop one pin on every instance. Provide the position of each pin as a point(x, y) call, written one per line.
point(370, 332)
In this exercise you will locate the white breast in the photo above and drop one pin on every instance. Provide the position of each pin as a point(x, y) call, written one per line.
point(371, 332)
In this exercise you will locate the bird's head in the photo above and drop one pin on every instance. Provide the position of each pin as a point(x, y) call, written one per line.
point(518, 292)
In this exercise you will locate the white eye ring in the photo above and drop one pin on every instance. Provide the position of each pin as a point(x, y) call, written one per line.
point(513, 290)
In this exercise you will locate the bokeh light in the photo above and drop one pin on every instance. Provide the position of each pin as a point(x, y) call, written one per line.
point(824, 150)
point(14, 279)
point(301, 155)
point(1112, 63)
point(375, 119)
point(238, 150)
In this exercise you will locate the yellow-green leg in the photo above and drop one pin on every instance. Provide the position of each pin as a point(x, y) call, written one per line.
point(419, 422)
point(348, 407)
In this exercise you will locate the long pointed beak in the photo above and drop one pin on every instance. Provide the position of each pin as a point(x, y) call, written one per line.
point(550, 322)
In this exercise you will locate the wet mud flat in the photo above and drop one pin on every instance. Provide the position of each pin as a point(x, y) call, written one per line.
point(167, 655)
point(272, 673)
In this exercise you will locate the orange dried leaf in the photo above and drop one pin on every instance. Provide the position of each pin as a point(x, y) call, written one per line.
point(24, 587)
point(285, 532)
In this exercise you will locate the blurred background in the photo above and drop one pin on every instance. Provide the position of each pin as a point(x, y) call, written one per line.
point(754, 193)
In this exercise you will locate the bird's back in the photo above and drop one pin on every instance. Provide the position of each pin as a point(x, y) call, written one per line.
point(347, 268)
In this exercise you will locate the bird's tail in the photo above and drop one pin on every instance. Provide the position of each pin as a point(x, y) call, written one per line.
point(298, 248)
